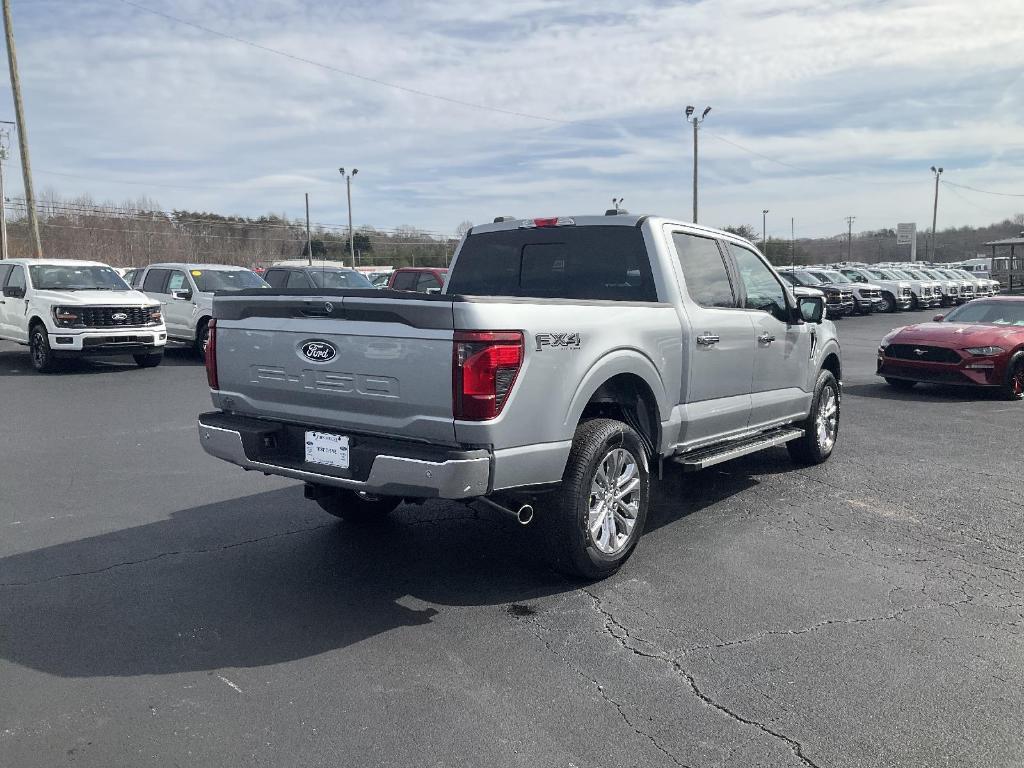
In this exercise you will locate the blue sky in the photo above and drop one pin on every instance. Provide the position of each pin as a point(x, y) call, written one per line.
point(855, 99)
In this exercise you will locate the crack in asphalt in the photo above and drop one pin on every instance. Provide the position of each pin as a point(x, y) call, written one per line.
point(162, 555)
point(611, 622)
point(604, 694)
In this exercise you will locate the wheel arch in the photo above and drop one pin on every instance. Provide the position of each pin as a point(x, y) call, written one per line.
point(626, 386)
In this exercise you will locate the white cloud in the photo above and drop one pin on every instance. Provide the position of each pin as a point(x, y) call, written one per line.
point(866, 95)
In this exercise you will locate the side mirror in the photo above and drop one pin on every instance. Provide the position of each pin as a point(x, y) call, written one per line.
point(938, 318)
point(14, 292)
point(812, 308)
point(182, 295)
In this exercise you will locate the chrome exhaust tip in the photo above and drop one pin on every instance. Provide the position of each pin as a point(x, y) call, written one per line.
point(523, 515)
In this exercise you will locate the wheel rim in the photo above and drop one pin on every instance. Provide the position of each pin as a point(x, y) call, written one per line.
point(1017, 380)
point(38, 349)
point(614, 501)
point(886, 304)
point(827, 422)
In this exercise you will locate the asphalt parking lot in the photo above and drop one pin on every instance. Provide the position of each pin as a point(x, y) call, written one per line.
point(161, 608)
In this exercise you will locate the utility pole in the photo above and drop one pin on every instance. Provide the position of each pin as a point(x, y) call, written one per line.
point(309, 241)
point(764, 232)
point(5, 136)
point(19, 115)
point(690, 118)
point(348, 190)
point(849, 237)
point(792, 242)
point(935, 209)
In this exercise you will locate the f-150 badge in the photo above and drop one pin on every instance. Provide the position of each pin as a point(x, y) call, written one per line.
point(571, 340)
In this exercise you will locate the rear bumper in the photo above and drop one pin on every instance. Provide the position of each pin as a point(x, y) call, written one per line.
point(380, 466)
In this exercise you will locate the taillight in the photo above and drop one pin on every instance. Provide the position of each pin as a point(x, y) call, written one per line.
point(484, 368)
point(211, 356)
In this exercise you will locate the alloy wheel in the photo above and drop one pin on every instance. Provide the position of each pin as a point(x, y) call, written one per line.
point(827, 421)
point(614, 501)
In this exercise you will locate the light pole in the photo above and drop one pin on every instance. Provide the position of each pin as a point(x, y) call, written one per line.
point(764, 232)
point(348, 192)
point(935, 208)
point(696, 121)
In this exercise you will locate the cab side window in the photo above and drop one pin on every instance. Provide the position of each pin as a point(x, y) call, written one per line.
point(427, 282)
point(4, 271)
point(154, 281)
point(762, 290)
point(297, 279)
point(17, 278)
point(707, 279)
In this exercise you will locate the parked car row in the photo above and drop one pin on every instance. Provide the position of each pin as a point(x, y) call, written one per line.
point(862, 288)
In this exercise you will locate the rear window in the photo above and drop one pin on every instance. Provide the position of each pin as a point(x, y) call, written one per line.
point(607, 263)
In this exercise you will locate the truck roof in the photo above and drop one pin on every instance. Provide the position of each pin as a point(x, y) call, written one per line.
point(621, 220)
point(56, 262)
point(187, 265)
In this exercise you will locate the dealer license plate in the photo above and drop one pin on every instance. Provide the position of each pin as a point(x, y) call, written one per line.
point(325, 448)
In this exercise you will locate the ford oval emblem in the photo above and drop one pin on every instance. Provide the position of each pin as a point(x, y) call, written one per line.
point(119, 317)
point(319, 351)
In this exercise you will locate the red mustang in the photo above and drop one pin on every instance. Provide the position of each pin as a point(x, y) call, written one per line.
point(979, 344)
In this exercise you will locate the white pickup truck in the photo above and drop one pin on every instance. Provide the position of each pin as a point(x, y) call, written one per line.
point(565, 361)
point(63, 308)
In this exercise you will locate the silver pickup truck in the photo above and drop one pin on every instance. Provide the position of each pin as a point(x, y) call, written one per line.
point(565, 361)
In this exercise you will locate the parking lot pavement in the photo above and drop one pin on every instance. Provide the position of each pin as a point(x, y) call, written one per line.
point(161, 608)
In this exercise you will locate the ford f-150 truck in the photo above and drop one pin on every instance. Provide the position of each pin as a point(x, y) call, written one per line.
point(565, 362)
point(64, 308)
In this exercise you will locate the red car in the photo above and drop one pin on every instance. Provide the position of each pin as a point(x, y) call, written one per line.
point(421, 279)
point(979, 344)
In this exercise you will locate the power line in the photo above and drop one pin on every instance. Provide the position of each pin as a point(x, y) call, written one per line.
point(983, 191)
point(345, 72)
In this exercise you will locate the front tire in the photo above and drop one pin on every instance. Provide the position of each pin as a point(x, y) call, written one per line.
point(202, 338)
point(149, 361)
point(358, 508)
point(43, 359)
point(601, 507)
point(1014, 389)
point(821, 428)
point(888, 303)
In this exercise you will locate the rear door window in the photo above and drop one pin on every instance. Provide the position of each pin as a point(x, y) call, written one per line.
point(597, 263)
point(276, 277)
point(707, 278)
point(155, 279)
point(405, 281)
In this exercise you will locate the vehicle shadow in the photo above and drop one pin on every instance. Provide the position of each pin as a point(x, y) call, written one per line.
point(268, 578)
point(935, 393)
point(14, 361)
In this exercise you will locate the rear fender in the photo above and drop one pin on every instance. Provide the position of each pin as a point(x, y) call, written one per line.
point(621, 361)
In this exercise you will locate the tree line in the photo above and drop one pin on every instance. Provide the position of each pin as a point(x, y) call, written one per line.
point(871, 247)
point(139, 232)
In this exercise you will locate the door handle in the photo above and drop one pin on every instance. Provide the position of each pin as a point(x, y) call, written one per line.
point(708, 339)
point(765, 338)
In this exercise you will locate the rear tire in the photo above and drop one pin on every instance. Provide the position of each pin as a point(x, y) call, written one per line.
point(149, 361)
point(359, 508)
point(821, 427)
point(601, 506)
point(904, 385)
point(1014, 389)
point(43, 359)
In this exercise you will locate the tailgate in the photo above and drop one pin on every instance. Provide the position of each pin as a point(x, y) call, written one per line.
point(376, 364)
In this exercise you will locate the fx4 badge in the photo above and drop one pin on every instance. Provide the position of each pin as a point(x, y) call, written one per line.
point(571, 340)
